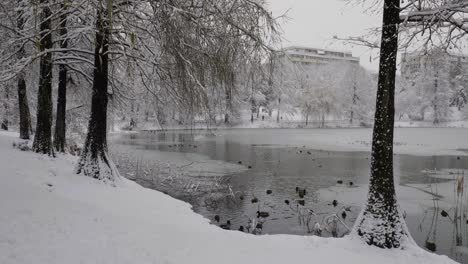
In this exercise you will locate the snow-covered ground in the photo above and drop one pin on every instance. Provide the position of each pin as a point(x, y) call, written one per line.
point(50, 215)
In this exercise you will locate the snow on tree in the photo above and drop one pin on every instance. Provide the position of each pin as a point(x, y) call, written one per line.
point(94, 161)
point(381, 223)
point(43, 137)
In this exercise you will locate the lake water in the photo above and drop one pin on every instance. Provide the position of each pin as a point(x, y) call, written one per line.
point(229, 174)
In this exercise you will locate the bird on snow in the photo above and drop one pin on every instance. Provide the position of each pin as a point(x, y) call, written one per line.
point(226, 226)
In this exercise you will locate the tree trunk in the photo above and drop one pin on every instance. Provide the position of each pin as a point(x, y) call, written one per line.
point(43, 138)
point(60, 122)
point(435, 100)
point(24, 114)
point(323, 119)
point(4, 125)
point(252, 110)
point(354, 101)
point(94, 161)
point(228, 103)
point(381, 223)
point(278, 114)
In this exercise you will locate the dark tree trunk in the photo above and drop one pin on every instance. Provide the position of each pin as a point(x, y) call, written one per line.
point(381, 223)
point(43, 138)
point(24, 114)
point(435, 100)
point(252, 110)
point(94, 161)
point(351, 118)
point(228, 103)
point(60, 122)
point(4, 125)
point(278, 114)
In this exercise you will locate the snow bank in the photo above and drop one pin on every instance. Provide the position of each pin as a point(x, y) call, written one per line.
point(50, 215)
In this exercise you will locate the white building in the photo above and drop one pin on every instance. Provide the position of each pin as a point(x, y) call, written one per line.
point(313, 56)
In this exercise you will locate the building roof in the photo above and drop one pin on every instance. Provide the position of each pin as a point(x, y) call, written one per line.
point(314, 55)
point(306, 47)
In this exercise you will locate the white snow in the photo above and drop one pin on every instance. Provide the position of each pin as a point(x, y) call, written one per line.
point(50, 215)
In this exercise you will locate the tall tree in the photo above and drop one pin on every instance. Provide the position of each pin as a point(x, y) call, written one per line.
point(24, 114)
point(60, 122)
point(94, 161)
point(43, 138)
point(4, 125)
point(381, 223)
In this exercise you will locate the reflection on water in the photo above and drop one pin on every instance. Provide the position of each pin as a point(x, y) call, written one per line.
point(269, 182)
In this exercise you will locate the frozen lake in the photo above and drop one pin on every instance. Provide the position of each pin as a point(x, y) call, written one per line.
point(228, 175)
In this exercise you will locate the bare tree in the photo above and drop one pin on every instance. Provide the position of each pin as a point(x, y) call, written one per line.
point(381, 223)
point(60, 123)
point(43, 137)
point(94, 161)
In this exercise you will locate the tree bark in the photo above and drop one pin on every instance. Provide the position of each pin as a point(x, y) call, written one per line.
point(381, 223)
point(60, 122)
point(435, 100)
point(4, 125)
point(278, 114)
point(351, 118)
point(24, 114)
point(94, 161)
point(43, 138)
point(228, 95)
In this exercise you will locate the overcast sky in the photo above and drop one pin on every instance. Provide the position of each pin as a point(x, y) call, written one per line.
point(315, 22)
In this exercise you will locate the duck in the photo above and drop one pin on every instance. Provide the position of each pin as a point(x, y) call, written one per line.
point(444, 213)
point(335, 203)
point(262, 214)
point(269, 192)
point(343, 215)
point(301, 192)
point(226, 226)
point(259, 226)
point(339, 181)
